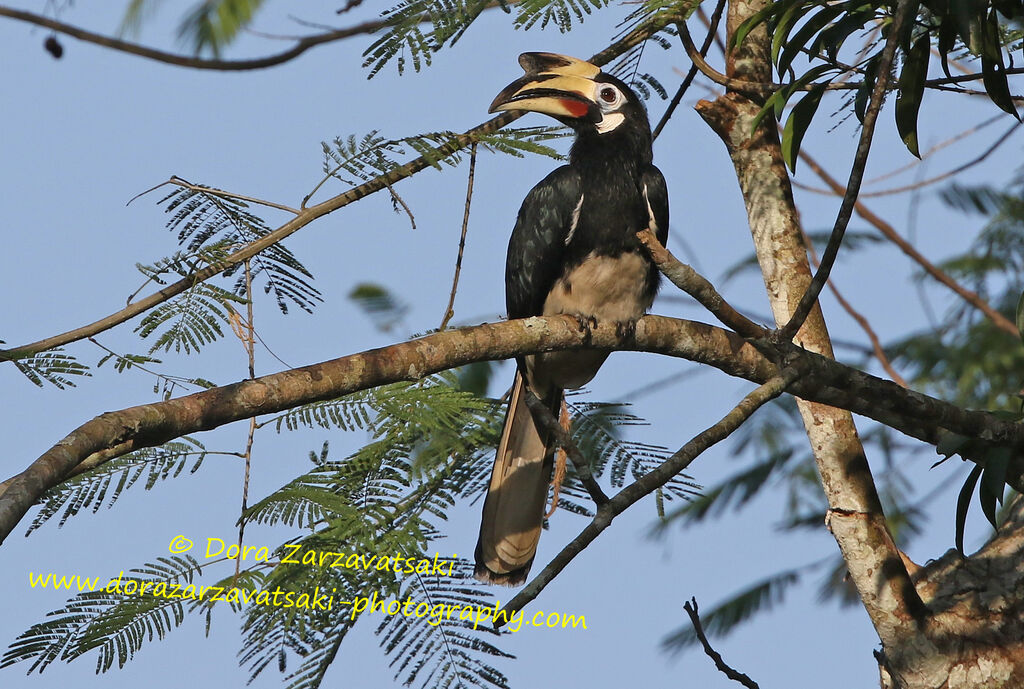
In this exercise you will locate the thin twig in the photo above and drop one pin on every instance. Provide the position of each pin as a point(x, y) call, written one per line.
point(449, 311)
point(301, 46)
point(860, 159)
point(691, 609)
point(931, 180)
point(220, 192)
point(876, 344)
point(697, 286)
point(647, 484)
point(550, 424)
point(887, 230)
point(688, 79)
point(249, 340)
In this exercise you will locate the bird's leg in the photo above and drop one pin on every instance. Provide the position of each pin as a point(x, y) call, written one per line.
point(560, 457)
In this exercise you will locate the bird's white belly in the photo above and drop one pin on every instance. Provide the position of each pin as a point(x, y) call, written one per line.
point(604, 288)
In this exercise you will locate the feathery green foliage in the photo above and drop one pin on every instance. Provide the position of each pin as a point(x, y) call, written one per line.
point(208, 223)
point(443, 652)
point(114, 624)
point(52, 367)
point(117, 475)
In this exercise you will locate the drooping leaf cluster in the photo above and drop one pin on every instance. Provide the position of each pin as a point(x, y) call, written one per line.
point(976, 32)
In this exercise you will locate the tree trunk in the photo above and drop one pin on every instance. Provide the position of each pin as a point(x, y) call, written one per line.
point(941, 632)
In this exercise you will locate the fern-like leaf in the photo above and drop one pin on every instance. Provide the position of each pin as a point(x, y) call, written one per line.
point(114, 477)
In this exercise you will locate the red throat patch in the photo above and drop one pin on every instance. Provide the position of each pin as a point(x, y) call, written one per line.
point(576, 108)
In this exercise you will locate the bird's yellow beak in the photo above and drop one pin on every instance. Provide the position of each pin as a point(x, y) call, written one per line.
point(554, 84)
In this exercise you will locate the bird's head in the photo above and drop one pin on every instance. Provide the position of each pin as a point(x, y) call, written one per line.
point(574, 92)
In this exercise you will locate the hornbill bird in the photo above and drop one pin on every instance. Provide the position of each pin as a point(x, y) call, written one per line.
point(573, 251)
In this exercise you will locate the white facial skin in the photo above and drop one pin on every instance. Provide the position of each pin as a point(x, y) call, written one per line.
point(609, 99)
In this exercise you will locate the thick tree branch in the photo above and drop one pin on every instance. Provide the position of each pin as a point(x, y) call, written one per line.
point(859, 524)
point(649, 483)
point(824, 381)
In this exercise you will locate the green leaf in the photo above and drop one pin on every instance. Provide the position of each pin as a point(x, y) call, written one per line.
point(797, 124)
point(911, 90)
point(785, 24)
point(800, 39)
point(963, 503)
point(750, 24)
point(993, 482)
point(993, 71)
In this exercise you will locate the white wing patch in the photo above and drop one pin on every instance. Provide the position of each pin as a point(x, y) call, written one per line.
point(652, 224)
point(576, 220)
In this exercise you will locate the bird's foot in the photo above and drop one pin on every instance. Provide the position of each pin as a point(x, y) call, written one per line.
point(625, 330)
point(586, 324)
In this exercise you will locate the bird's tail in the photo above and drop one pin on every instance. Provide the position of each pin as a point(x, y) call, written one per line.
point(514, 506)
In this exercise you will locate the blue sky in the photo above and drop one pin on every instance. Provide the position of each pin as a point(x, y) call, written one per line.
point(83, 135)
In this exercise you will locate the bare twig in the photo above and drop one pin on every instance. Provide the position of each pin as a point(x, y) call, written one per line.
point(876, 344)
point(691, 609)
point(688, 79)
point(301, 46)
point(931, 180)
point(220, 192)
point(249, 339)
point(860, 159)
point(550, 425)
point(887, 230)
point(647, 484)
point(449, 311)
point(697, 286)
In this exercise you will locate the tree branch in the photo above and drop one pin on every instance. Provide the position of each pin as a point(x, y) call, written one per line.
point(691, 609)
point(697, 286)
point(301, 45)
point(890, 233)
point(860, 528)
point(550, 425)
point(824, 380)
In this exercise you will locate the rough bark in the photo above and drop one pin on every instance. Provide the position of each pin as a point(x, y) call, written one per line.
point(821, 380)
point(957, 627)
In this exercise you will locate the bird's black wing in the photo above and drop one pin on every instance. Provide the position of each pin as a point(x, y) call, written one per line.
point(537, 246)
point(657, 198)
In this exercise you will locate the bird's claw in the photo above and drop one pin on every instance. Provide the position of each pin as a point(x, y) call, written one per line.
point(625, 330)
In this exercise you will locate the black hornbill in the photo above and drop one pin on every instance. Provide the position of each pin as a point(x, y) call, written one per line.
point(574, 250)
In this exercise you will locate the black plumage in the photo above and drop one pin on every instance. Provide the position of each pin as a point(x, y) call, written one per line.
point(573, 250)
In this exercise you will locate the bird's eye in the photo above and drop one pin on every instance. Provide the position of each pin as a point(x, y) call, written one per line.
point(610, 95)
